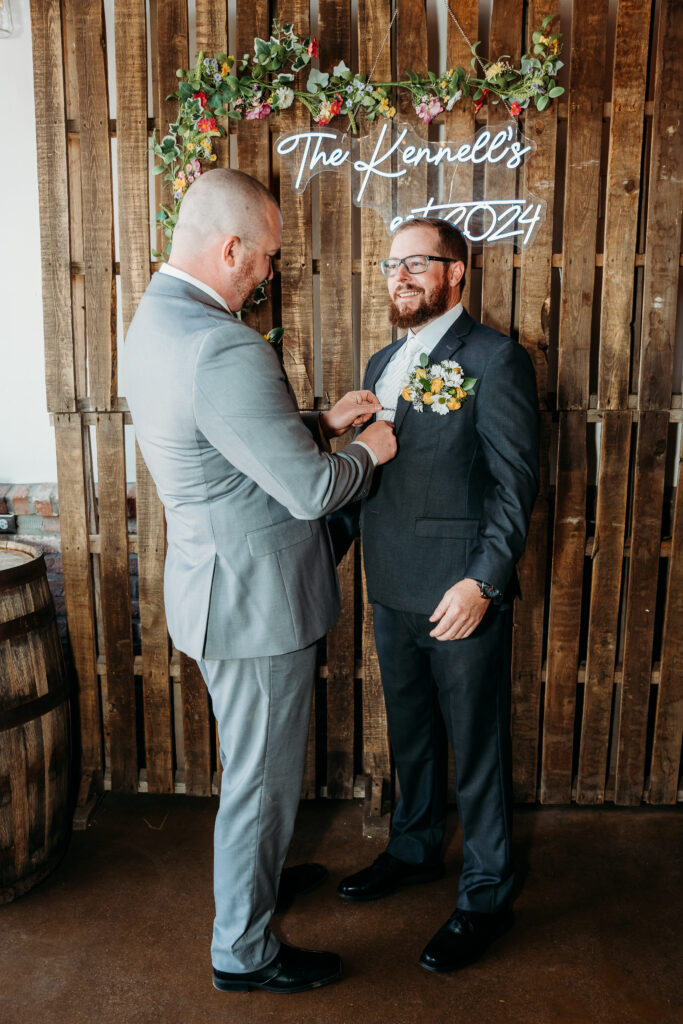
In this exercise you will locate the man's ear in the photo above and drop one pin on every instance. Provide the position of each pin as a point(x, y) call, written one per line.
point(230, 249)
point(455, 273)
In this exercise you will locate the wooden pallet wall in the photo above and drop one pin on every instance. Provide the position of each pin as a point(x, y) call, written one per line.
point(598, 646)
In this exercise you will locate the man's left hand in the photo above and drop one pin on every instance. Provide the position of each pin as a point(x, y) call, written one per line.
point(459, 611)
point(353, 410)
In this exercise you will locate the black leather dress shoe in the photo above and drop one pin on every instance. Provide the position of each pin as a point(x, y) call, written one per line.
point(292, 970)
point(384, 876)
point(297, 880)
point(463, 939)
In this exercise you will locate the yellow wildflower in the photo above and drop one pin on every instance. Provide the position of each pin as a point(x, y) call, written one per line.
point(460, 393)
point(190, 147)
point(453, 404)
point(391, 111)
point(493, 70)
point(421, 373)
point(543, 41)
point(225, 70)
point(444, 84)
point(450, 72)
point(437, 384)
point(406, 393)
point(213, 157)
point(179, 184)
point(428, 399)
point(555, 45)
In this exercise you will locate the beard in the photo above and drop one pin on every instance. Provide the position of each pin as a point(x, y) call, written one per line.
point(428, 309)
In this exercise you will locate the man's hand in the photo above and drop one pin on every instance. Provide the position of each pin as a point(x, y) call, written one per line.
point(459, 611)
point(353, 410)
point(381, 438)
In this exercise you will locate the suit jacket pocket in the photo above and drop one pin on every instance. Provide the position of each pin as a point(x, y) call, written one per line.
point(461, 529)
point(278, 536)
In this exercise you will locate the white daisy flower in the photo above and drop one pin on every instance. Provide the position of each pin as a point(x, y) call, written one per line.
point(439, 404)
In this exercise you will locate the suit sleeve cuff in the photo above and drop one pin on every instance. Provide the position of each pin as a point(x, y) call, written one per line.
point(368, 449)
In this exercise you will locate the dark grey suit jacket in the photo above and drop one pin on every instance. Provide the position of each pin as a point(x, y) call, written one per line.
point(456, 500)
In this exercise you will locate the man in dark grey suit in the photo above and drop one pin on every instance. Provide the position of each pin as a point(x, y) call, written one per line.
point(442, 529)
point(250, 583)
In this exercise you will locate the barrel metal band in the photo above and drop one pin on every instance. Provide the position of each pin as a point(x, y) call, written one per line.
point(12, 717)
point(24, 624)
point(18, 574)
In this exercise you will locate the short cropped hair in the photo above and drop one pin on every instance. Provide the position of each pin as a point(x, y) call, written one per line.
point(451, 241)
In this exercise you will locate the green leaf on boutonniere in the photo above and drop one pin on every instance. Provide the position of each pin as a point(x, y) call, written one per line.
point(424, 359)
point(468, 383)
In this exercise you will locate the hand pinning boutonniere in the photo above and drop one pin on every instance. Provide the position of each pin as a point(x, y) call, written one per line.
point(442, 387)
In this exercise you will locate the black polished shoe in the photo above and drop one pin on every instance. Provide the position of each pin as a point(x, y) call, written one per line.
point(463, 939)
point(292, 970)
point(384, 876)
point(298, 880)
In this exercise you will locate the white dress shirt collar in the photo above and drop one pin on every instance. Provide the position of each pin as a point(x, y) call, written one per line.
point(165, 268)
point(428, 336)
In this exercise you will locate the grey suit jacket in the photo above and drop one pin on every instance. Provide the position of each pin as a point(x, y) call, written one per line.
point(243, 477)
point(456, 500)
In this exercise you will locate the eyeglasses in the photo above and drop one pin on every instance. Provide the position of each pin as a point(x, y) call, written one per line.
point(413, 264)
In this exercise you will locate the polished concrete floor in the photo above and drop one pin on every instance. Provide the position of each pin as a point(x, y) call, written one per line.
point(119, 934)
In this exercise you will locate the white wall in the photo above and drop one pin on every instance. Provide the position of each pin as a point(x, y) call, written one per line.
point(27, 447)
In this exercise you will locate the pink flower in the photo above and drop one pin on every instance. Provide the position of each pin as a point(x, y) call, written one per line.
point(515, 108)
point(428, 108)
point(313, 47)
point(258, 112)
point(193, 170)
point(208, 124)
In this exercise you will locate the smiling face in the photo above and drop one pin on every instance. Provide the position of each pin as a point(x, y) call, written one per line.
point(417, 299)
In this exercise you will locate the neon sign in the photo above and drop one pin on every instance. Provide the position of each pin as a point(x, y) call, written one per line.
point(402, 176)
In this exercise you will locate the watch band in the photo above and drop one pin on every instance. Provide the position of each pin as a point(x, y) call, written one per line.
point(488, 590)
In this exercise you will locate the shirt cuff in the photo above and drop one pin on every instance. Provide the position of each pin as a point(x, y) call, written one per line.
point(368, 449)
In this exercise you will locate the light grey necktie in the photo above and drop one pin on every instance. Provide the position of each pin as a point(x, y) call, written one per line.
point(395, 377)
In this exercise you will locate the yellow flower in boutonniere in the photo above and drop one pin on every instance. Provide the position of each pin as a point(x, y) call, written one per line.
point(441, 386)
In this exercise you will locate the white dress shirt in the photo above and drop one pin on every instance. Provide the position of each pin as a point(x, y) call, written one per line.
point(165, 268)
point(395, 375)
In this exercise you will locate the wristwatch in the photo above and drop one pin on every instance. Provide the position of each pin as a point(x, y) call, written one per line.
point(488, 590)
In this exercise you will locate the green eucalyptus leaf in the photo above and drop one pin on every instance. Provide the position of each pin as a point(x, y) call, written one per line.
point(556, 91)
point(424, 359)
point(542, 102)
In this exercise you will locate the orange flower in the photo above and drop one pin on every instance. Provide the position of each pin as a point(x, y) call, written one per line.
point(437, 384)
point(453, 404)
point(428, 399)
point(407, 395)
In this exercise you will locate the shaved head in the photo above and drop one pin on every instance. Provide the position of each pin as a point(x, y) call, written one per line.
point(228, 232)
point(221, 202)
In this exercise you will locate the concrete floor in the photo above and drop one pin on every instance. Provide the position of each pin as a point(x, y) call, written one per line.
point(119, 934)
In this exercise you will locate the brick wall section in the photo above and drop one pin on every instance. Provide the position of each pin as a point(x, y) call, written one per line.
point(36, 507)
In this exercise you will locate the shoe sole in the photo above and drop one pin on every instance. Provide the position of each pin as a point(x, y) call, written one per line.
point(410, 880)
point(238, 986)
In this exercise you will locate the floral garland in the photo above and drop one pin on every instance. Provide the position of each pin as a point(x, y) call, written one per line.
point(264, 83)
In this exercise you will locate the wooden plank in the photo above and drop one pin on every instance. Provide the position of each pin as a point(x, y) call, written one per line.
point(641, 598)
point(196, 728)
point(296, 253)
point(132, 150)
point(253, 137)
point(340, 690)
point(97, 199)
point(582, 176)
point(603, 626)
point(623, 191)
point(168, 31)
point(569, 542)
point(336, 305)
point(459, 122)
point(411, 190)
point(527, 645)
point(375, 332)
point(497, 274)
point(538, 176)
point(665, 200)
point(133, 195)
point(78, 585)
point(53, 196)
point(668, 735)
point(115, 593)
point(211, 32)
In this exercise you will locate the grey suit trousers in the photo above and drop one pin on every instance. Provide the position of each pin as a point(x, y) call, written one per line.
point(262, 707)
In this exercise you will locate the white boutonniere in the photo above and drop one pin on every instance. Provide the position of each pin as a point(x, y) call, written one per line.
point(442, 387)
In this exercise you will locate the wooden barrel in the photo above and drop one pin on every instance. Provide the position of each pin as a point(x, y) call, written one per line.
point(35, 739)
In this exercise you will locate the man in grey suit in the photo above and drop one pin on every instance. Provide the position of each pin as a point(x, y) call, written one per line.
point(250, 583)
point(442, 529)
